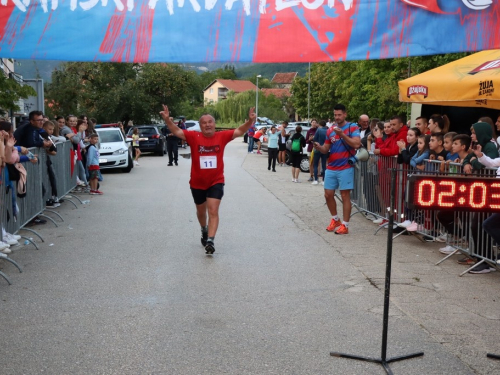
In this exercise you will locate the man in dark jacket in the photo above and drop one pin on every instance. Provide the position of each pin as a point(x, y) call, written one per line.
point(28, 134)
point(172, 147)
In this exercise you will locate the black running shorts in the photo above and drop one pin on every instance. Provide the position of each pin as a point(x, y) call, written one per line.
point(200, 196)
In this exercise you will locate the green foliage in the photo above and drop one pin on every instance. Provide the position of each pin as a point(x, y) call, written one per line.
point(11, 92)
point(120, 92)
point(364, 87)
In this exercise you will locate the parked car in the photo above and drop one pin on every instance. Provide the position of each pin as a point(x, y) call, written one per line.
point(151, 139)
point(114, 150)
point(193, 125)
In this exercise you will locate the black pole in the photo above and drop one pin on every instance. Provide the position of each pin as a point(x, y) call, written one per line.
point(383, 361)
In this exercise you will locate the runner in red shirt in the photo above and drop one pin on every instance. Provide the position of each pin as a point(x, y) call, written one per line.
point(207, 168)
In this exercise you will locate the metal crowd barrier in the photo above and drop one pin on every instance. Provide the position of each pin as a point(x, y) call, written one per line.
point(371, 194)
point(16, 212)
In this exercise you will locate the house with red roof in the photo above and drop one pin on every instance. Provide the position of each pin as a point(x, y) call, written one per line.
point(218, 89)
point(283, 80)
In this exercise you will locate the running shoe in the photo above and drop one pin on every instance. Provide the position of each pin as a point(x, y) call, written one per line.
point(210, 248)
point(204, 238)
point(333, 225)
point(342, 230)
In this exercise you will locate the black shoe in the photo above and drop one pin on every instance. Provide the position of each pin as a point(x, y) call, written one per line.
point(169, 164)
point(38, 220)
point(50, 204)
point(204, 237)
point(268, 168)
point(209, 247)
point(175, 163)
point(274, 170)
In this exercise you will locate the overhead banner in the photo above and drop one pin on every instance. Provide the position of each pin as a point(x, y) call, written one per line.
point(244, 30)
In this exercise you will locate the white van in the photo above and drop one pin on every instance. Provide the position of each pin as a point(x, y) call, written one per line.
point(114, 151)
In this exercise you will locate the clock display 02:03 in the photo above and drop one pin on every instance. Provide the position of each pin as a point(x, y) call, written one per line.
point(454, 193)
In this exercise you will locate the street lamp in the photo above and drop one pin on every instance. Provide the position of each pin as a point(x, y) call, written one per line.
point(257, 99)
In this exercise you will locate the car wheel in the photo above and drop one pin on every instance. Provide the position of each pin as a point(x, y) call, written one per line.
point(130, 165)
point(164, 148)
point(304, 164)
point(288, 159)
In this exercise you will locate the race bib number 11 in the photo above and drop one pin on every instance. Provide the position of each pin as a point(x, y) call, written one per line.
point(208, 162)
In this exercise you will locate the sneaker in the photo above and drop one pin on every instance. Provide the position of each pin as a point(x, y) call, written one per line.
point(383, 223)
point(404, 224)
point(293, 179)
point(204, 237)
point(258, 152)
point(49, 204)
point(482, 268)
point(176, 162)
point(447, 250)
point(342, 230)
point(322, 182)
point(310, 179)
point(38, 220)
point(314, 183)
point(333, 225)
point(297, 181)
point(17, 237)
point(6, 251)
point(4, 245)
point(378, 221)
point(209, 248)
point(413, 227)
point(56, 204)
point(169, 165)
point(96, 192)
point(9, 240)
point(442, 238)
point(466, 261)
point(429, 239)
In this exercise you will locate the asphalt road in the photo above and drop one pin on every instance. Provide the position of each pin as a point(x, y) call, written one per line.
point(123, 286)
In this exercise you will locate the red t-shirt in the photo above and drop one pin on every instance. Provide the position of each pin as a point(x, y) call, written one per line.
point(207, 164)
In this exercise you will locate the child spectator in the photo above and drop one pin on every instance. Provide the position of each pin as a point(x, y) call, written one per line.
point(417, 161)
point(46, 133)
point(406, 152)
point(436, 147)
point(460, 147)
point(447, 145)
point(93, 165)
point(404, 157)
point(135, 145)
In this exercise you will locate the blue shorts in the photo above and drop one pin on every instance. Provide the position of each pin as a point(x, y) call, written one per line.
point(341, 180)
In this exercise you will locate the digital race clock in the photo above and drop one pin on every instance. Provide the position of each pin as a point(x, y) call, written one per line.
point(456, 193)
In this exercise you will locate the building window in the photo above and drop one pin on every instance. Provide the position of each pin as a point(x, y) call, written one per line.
point(211, 90)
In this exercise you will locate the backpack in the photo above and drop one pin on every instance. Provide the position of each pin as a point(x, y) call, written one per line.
point(296, 145)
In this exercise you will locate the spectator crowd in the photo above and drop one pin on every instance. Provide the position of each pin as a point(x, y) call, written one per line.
point(39, 132)
point(426, 146)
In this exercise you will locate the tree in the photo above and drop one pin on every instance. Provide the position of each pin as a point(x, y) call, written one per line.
point(11, 92)
point(364, 87)
point(120, 91)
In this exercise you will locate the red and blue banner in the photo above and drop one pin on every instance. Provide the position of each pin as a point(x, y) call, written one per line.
point(244, 30)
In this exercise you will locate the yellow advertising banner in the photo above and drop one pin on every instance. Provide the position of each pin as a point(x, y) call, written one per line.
point(473, 81)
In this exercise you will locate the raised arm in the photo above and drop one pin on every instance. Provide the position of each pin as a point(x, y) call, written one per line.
point(242, 129)
point(175, 130)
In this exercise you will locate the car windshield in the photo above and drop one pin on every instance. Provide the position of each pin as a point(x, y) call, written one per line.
point(110, 136)
point(189, 124)
point(147, 132)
